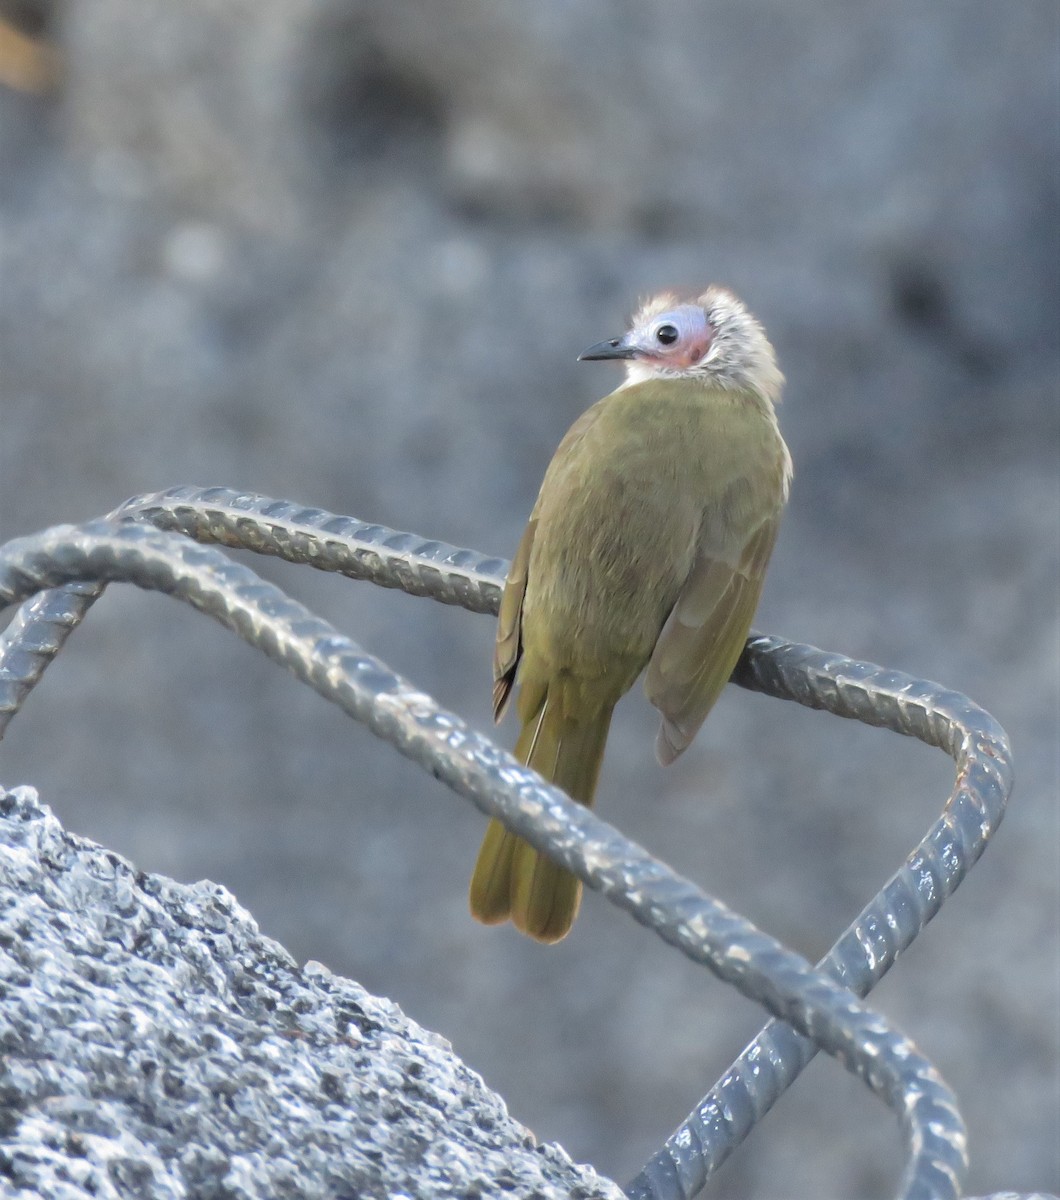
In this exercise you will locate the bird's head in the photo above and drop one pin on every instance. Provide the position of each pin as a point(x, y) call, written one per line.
point(712, 338)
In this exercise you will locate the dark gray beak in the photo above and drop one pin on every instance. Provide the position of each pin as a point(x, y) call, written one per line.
point(615, 348)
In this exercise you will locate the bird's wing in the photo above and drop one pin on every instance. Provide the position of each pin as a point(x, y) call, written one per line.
point(703, 636)
point(509, 645)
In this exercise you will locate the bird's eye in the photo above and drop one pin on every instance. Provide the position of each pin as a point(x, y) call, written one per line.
point(667, 334)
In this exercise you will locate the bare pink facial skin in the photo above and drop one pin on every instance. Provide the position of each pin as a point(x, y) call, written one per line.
point(678, 338)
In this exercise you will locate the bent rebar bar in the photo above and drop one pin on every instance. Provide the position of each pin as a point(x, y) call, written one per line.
point(830, 682)
point(364, 687)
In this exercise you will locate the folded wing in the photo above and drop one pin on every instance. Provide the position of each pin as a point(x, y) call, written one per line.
point(703, 637)
point(508, 648)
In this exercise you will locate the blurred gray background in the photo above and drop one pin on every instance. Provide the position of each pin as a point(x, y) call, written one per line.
point(347, 253)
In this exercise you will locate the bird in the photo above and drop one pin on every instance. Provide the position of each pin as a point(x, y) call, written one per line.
point(645, 551)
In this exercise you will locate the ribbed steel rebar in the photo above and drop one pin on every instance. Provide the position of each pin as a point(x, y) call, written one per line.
point(862, 691)
point(36, 634)
point(891, 920)
point(275, 527)
point(282, 529)
point(827, 681)
point(704, 929)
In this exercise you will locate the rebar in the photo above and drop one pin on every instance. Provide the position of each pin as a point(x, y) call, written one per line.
point(364, 687)
point(892, 919)
point(701, 927)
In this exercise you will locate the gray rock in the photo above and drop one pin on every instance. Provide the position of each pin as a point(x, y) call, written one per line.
point(155, 1044)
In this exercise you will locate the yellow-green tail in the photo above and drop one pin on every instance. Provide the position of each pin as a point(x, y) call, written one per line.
point(511, 880)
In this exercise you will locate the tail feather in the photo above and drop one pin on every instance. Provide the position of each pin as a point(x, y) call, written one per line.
point(491, 900)
point(511, 879)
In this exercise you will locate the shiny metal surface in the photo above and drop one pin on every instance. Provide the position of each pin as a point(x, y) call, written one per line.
point(280, 528)
point(702, 928)
point(892, 919)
